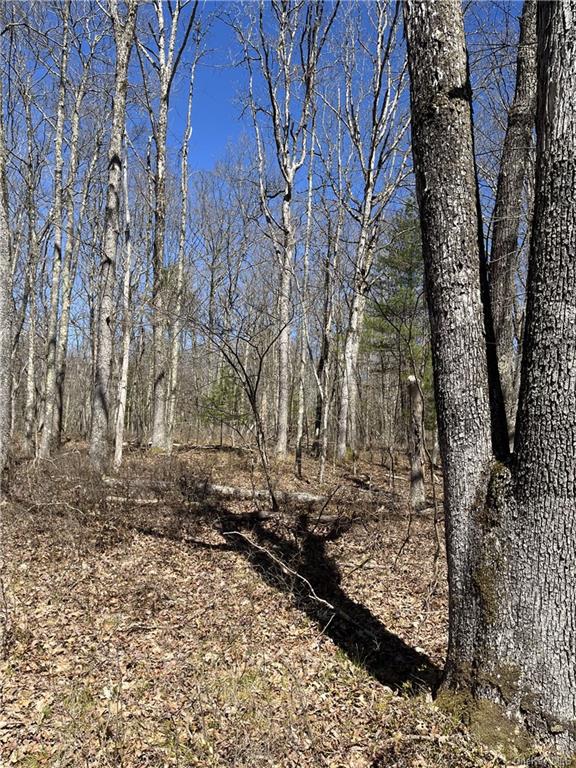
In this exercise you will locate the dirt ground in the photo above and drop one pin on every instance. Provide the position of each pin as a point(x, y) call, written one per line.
point(150, 625)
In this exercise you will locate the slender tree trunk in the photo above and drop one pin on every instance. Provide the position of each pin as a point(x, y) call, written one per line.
point(6, 312)
point(70, 258)
point(176, 340)
point(416, 444)
point(126, 329)
point(514, 166)
point(159, 431)
point(286, 258)
point(101, 402)
point(304, 310)
point(47, 434)
point(29, 441)
point(349, 394)
point(510, 529)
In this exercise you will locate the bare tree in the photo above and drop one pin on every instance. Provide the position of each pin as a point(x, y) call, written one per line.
point(176, 339)
point(47, 433)
point(101, 402)
point(126, 327)
point(165, 63)
point(288, 64)
point(368, 112)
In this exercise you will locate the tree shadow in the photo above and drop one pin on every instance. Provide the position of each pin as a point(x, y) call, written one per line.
point(300, 565)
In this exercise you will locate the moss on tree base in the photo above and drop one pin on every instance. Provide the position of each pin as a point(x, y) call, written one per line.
point(488, 723)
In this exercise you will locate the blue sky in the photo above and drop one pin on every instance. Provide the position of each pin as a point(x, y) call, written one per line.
point(217, 110)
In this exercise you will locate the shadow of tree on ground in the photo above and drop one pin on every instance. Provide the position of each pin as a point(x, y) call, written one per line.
point(300, 565)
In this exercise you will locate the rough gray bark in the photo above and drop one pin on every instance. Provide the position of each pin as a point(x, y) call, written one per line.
point(510, 529)
point(514, 166)
point(101, 401)
point(533, 629)
point(416, 445)
point(446, 189)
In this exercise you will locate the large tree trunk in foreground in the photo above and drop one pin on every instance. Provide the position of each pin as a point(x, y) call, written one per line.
point(534, 619)
point(510, 530)
point(446, 188)
point(508, 207)
point(102, 401)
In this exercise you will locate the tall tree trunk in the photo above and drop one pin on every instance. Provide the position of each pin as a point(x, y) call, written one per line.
point(176, 339)
point(6, 311)
point(70, 257)
point(29, 441)
point(304, 310)
point(510, 529)
point(514, 166)
point(446, 189)
point(101, 401)
point(126, 329)
point(286, 259)
point(159, 432)
point(349, 394)
point(47, 434)
point(169, 55)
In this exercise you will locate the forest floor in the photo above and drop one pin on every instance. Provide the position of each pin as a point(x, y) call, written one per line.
point(152, 626)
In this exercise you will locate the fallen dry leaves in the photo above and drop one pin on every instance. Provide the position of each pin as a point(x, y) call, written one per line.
point(142, 636)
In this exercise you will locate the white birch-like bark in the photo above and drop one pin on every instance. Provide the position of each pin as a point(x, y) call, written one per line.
point(126, 328)
point(177, 324)
point(303, 345)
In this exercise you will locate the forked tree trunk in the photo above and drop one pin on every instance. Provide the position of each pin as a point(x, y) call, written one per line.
point(507, 215)
point(169, 55)
point(416, 445)
point(510, 529)
point(101, 401)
